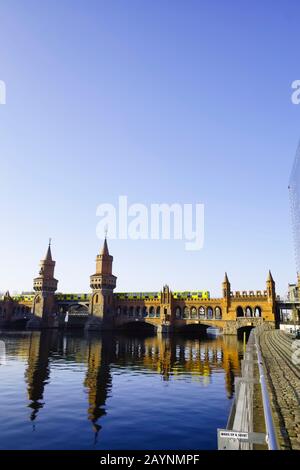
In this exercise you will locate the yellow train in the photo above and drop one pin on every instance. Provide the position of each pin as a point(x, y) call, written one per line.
point(194, 295)
point(70, 297)
point(138, 295)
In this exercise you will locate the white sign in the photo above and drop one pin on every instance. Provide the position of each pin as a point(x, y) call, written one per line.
point(242, 436)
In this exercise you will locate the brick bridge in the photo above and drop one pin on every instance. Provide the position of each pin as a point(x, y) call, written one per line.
point(164, 310)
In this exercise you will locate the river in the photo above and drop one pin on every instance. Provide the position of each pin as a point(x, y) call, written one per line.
point(77, 391)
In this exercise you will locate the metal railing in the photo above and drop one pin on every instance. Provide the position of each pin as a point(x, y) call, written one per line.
point(270, 428)
point(239, 433)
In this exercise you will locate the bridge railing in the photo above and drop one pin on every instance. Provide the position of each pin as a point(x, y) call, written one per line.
point(239, 433)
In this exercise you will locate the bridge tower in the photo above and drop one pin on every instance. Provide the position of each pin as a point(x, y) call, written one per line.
point(102, 284)
point(271, 292)
point(226, 288)
point(271, 288)
point(45, 286)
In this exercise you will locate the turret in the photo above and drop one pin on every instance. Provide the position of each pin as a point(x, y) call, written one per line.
point(226, 288)
point(102, 284)
point(45, 286)
point(46, 282)
point(271, 288)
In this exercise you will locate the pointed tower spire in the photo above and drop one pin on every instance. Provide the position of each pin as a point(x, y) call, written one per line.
point(104, 251)
point(226, 290)
point(49, 254)
point(271, 288)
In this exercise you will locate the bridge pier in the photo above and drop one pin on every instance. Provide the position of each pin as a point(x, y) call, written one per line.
point(39, 323)
point(164, 329)
point(94, 324)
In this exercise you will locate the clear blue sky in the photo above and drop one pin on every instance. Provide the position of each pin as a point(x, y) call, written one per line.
point(166, 101)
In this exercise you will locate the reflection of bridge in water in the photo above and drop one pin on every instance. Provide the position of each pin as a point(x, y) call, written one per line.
point(170, 357)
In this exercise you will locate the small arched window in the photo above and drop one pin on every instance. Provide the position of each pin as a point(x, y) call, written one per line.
point(210, 313)
point(201, 312)
point(248, 312)
point(178, 312)
point(257, 312)
point(186, 312)
point(193, 312)
point(218, 313)
point(239, 312)
point(151, 312)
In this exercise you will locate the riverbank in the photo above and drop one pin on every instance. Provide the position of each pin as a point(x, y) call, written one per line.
point(283, 376)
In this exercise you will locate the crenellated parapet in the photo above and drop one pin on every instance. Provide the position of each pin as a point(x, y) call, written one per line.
point(248, 294)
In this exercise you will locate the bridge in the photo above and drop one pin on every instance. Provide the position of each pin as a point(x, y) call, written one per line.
point(164, 310)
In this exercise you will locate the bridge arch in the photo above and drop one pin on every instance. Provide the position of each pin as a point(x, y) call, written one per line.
point(197, 329)
point(78, 309)
point(138, 326)
point(244, 329)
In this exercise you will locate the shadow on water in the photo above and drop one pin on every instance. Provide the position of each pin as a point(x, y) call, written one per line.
point(143, 329)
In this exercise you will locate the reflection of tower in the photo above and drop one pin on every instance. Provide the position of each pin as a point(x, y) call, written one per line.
point(167, 355)
point(231, 364)
point(230, 377)
point(37, 372)
point(102, 284)
point(45, 286)
point(98, 378)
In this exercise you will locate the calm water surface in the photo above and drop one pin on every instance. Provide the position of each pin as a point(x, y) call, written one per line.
point(78, 391)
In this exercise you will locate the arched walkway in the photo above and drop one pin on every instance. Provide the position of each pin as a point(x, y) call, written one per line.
point(244, 329)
